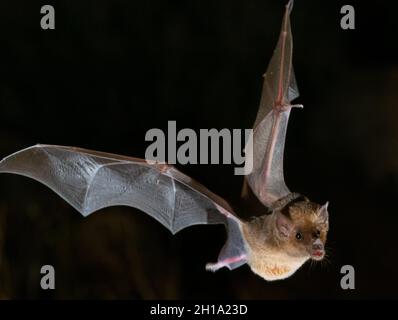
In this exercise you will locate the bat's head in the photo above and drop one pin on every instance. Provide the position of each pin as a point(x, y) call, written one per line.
point(303, 227)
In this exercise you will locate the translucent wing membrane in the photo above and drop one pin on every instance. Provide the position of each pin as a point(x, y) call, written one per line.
point(91, 180)
point(279, 89)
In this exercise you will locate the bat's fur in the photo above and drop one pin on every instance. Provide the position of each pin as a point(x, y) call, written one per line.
point(275, 252)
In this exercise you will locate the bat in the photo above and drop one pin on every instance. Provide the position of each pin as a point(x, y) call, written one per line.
point(274, 245)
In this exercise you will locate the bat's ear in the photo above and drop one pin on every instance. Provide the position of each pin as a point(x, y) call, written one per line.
point(284, 225)
point(323, 213)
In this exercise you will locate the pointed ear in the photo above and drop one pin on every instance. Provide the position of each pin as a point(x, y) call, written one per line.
point(284, 225)
point(323, 213)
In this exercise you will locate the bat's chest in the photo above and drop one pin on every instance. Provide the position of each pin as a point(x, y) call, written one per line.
point(274, 267)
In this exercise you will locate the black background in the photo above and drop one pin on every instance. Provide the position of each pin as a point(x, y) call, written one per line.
point(114, 69)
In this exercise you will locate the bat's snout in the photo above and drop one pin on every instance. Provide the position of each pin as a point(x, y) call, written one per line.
point(317, 250)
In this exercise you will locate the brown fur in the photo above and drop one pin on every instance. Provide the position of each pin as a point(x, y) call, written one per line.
point(274, 254)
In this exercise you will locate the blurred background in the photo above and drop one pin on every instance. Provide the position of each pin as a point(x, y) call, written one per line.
point(112, 70)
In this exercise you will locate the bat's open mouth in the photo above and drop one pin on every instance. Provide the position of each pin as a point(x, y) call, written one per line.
point(317, 255)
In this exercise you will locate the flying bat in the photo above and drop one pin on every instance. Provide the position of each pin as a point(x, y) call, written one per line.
point(291, 231)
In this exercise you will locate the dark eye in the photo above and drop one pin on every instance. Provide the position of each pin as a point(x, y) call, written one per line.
point(318, 233)
point(299, 236)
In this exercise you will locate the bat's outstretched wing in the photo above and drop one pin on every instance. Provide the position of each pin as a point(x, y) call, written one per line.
point(91, 180)
point(266, 179)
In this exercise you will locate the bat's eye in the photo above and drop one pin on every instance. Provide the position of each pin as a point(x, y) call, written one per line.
point(299, 236)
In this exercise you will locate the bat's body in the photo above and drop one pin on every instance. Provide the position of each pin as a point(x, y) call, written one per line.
point(275, 252)
point(274, 245)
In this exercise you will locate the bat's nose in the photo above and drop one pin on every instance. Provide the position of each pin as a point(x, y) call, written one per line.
point(317, 245)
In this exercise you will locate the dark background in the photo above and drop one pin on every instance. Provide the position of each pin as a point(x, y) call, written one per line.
point(114, 69)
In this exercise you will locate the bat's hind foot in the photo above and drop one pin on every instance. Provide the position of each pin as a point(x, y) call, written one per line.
point(213, 267)
point(283, 108)
point(228, 263)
